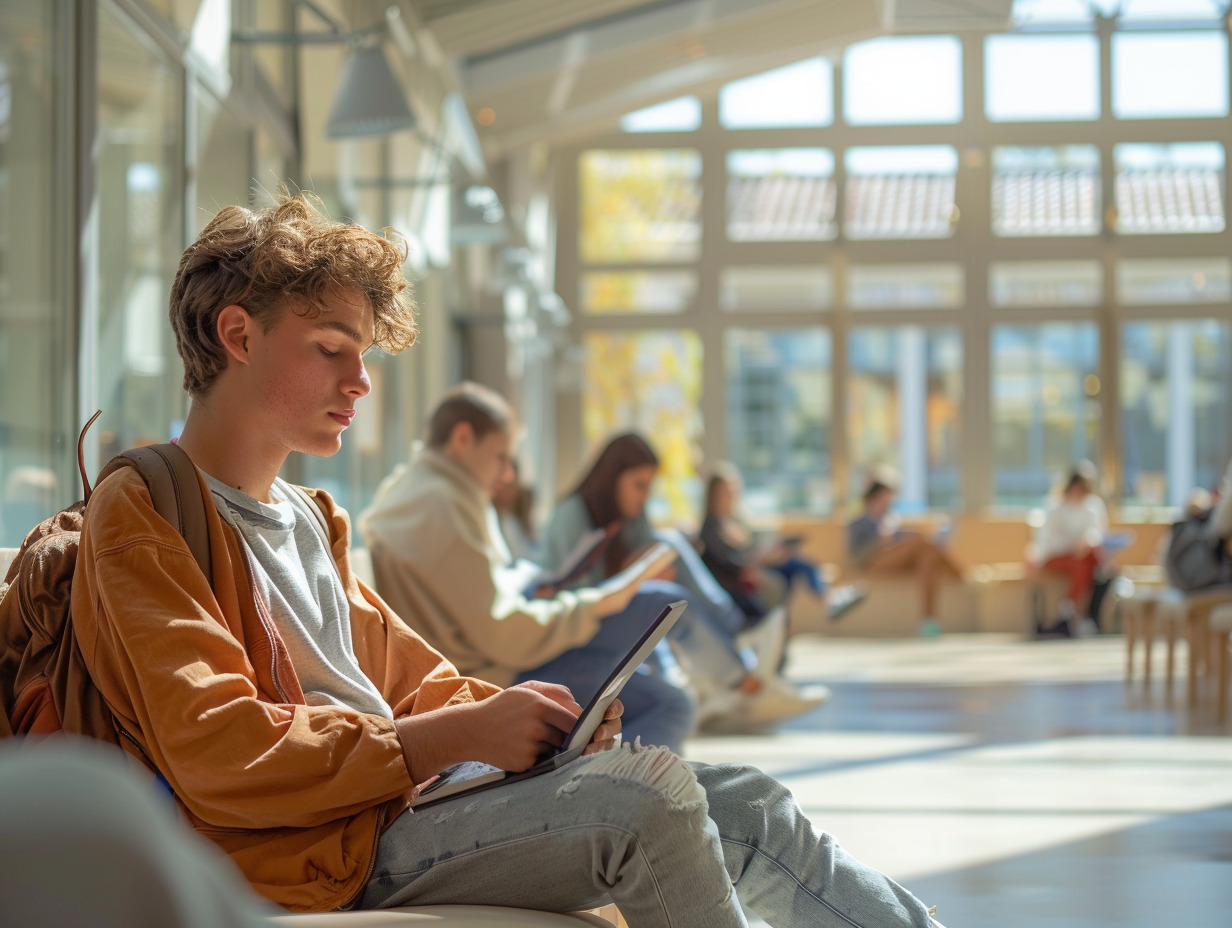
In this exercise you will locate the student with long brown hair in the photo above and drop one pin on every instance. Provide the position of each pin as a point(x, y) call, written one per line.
point(738, 687)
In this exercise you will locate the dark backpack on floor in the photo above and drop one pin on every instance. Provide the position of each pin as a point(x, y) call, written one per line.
point(44, 685)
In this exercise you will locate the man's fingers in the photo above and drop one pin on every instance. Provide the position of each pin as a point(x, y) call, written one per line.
point(615, 710)
point(554, 691)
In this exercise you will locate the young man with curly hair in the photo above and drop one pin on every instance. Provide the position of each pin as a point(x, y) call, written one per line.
point(292, 714)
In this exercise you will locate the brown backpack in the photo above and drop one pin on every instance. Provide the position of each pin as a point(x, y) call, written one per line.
point(44, 685)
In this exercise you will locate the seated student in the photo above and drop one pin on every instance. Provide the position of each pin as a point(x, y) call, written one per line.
point(514, 504)
point(740, 565)
point(877, 544)
point(292, 714)
point(1071, 542)
point(738, 687)
point(438, 558)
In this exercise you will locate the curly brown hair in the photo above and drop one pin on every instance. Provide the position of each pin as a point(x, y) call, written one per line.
point(289, 254)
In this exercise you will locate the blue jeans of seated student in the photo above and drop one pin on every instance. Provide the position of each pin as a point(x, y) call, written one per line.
point(672, 844)
point(659, 708)
point(798, 568)
point(701, 635)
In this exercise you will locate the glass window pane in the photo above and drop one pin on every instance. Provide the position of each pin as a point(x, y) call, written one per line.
point(1045, 191)
point(36, 469)
point(1031, 78)
point(904, 395)
point(140, 121)
point(1169, 74)
point(906, 286)
point(684, 114)
point(1045, 283)
point(1176, 403)
point(1169, 188)
point(902, 191)
point(223, 174)
point(650, 382)
point(800, 94)
point(1045, 408)
point(779, 417)
point(779, 288)
point(638, 291)
point(903, 80)
point(1171, 281)
point(783, 195)
point(640, 205)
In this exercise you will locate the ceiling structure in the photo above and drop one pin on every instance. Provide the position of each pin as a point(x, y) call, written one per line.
point(551, 70)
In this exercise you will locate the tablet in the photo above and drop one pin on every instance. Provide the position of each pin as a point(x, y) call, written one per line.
point(472, 776)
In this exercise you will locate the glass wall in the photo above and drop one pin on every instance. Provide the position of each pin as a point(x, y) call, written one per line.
point(975, 314)
point(35, 469)
point(141, 209)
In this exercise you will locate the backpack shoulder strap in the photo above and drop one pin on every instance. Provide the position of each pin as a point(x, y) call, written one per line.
point(175, 489)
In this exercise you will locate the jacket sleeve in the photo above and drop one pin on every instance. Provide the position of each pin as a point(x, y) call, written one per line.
point(410, 674)
point(178, 666)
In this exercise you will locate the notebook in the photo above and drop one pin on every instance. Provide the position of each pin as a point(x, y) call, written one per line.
point(473, 776)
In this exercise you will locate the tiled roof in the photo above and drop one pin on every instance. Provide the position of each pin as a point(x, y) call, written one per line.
point(1060, 202)
point(899, 206)
point(780, 208)
point(1169, 200)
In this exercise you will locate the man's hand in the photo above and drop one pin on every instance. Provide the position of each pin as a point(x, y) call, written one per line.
point(511, 730)
point(605, 735)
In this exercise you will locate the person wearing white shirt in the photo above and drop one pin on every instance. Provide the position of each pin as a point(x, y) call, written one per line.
point(1070, 542)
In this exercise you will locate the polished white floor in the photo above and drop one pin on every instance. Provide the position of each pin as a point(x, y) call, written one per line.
point(1012, 783)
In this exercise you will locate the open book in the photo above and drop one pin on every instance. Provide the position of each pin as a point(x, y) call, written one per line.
point(578, 562)
point(472, 776)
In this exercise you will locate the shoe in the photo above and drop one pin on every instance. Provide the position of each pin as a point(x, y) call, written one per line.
point(842, 599)
point(768, 641)
point(1087, 628)
point(930, 628)
point(748, 713)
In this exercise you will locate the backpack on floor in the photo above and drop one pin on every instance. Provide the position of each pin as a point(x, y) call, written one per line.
point(1195, 558)
point(44, 685)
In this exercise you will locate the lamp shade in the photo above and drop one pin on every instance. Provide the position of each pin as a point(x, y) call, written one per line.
point(369, 100)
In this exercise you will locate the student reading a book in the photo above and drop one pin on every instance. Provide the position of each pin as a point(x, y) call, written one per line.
point(439, 559)
point(739, 688)
point(877, 544)
point(745, 567)
point(291, 714)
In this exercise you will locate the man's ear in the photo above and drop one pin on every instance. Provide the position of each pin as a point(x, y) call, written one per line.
point(234, 327)
point(462, 438)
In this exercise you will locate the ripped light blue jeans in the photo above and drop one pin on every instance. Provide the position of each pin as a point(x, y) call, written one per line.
point(671, 843)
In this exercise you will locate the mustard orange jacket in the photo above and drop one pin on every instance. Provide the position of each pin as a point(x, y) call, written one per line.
point(203, 691)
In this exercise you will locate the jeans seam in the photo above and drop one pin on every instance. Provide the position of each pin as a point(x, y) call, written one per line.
point(556, 831)
point(792, 876)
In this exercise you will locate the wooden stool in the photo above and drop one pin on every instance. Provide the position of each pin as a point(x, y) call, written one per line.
point(1142, 611)
point(1219, 664)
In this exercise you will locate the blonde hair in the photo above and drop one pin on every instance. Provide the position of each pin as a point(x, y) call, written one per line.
point(288, 255)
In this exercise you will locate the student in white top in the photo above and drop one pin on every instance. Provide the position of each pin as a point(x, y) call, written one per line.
point(1071, 541)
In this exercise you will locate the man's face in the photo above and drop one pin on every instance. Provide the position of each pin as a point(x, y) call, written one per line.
point(489, 459)
point(307, 374)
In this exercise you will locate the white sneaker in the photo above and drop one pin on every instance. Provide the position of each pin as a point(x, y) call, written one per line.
point(1087, 628)
point(768, 641)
